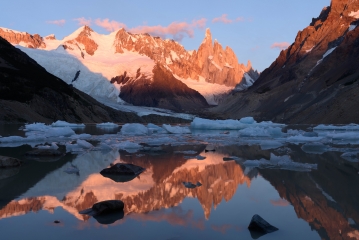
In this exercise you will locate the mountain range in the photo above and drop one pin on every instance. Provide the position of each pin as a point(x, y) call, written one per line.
point(138, 68)
point(314, 80)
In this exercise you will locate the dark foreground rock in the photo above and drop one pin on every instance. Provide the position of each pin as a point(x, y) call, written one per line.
point(258, 227)
point(122, 172)
point(6, 162)
point(106, 212)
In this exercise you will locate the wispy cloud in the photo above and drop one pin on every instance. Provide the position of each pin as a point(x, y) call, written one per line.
point(177, 30)
point(280, 45)
point(109, 25)
point(83, 21)
point(60, 22)
point(224, 19)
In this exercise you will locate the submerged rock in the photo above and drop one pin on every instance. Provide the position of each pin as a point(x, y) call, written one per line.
point(122, 172)
point(199, 157)
point(258, 227)
point(106, 212)
point(7, 162)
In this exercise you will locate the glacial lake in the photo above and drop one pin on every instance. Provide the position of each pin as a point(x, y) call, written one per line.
point(302, 180)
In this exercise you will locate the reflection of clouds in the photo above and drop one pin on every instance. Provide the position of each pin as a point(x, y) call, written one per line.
point(174, 216)
point(279, 202)
point(225, 227)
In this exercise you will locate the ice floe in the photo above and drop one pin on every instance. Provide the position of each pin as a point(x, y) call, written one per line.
point(280, 162)
point(134, 129)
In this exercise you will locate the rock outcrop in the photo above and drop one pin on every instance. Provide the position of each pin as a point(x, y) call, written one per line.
point(211, 61)
point(315, 79)
point(22, 38)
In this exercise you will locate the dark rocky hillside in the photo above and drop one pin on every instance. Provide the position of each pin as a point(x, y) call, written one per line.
point(315, 80)
point(28, 93)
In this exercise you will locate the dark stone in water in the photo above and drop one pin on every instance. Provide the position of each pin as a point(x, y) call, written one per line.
point(106, 212)
point(258, 227)
point(56, 221)
point(209, 150)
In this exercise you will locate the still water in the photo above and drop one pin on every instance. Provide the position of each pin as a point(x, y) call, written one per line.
point(321, 203)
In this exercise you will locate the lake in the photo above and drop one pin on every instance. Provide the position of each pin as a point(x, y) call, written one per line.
point(303, 181)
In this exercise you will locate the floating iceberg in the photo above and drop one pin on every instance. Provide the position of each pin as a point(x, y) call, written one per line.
point(201, 123)
point(107, 125)
point(280, 162)
point(66, 124)
point(134, 129)
point(176, 129)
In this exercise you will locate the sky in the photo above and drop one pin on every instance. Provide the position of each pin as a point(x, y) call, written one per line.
point(257, 30)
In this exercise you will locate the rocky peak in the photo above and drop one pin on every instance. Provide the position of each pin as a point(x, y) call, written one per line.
point(50, 37)
point(22, 38)
point(83, 41)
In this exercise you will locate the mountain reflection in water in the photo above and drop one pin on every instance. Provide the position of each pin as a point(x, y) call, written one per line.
point(325, 198)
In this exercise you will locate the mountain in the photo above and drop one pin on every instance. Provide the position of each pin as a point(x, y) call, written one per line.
point(315, 80)
point(28, 93)
point(95, 64)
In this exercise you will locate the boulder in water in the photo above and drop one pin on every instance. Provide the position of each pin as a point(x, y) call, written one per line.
point(258, 226)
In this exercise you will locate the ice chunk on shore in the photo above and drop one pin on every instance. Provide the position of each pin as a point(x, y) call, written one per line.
point(134, 129)
point(176, 129)
point(66, 124)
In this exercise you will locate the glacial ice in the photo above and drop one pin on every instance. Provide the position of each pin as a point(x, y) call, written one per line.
point(84, 144)
point(66, 124)
point(314, 148)
point(107, 125)
point(134, 129)
point(280, 162)
point(176, 129)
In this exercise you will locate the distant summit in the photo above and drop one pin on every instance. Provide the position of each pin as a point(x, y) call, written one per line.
point(99, 61)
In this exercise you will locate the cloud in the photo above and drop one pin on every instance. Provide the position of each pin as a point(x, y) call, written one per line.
point(83, 21)
point(178, 30)
point(224, 19)
point(109, 25)
point(60, 22)
point(280, 202)
point(280, 45)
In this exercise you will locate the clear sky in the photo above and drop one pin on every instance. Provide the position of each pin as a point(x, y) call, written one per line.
point(254, 29)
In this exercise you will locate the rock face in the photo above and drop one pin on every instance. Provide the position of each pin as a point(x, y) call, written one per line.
point(22, 38)
point(211, 61)
point(163, 91)
point(315, 79)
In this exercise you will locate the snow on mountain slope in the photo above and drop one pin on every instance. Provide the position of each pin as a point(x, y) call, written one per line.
point(212, 92)
point(90, 61)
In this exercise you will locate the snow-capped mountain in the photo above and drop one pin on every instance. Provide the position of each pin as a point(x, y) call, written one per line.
point(315, 80)
point(111, 68)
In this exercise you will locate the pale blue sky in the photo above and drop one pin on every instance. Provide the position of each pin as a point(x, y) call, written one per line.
point(256, 24)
